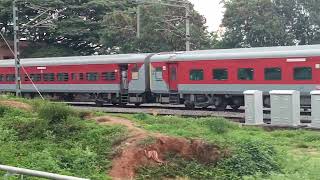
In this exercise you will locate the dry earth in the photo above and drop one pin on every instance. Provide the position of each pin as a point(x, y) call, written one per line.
point(132, 155)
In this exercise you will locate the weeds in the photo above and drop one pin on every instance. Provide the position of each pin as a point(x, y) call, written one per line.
point(255, 153)
point(221, 126)
point(147, 141)
point(54, 138)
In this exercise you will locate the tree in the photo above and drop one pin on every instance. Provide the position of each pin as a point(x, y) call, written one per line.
point(162, 29)
point(98, 26)
point(258, 23)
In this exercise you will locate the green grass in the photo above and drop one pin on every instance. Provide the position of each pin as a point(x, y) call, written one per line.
point(54, 138)
point(282, 154)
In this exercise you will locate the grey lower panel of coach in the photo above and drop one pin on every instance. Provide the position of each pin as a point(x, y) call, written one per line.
point(240, 88)
point(77, 88)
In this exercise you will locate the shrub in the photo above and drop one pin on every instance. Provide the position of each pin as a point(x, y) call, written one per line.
point(84, 114)
point(26, 127)
point(54, 113)
point(220, 126)
point(140, 116)
point(176, 168)
point(3, 110)
point(250, 158)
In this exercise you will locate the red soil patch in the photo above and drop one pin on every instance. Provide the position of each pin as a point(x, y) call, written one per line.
point(16, 104)
point(133, 155)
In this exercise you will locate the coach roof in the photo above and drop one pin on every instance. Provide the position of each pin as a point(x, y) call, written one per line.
point(77, 60)
point(241, 53)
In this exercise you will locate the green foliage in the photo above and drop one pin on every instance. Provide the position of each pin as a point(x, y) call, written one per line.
point(3, 109)
point(40, 51)
point(259, 23)
point(55, 139)
point(178, 167)
point(104, 27)
point(251, 157)
point(254, 153)
point(54, 113)
point(221, 126)
point(147, 141)
point(141, 116)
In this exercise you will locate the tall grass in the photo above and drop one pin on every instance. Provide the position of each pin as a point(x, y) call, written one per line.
point(255, 153)
point(54, 138)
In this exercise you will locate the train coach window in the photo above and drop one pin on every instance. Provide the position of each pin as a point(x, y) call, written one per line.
point(1, 77)
point(62, 76)
point(10, 77)
point(109, 76)
point(135, 72)
point(196, 75)
point(158, 73)
point(272, 74)
point(48, 77)
point(220, 74)
point(303, 73)
point(74, 76)
point(245, 74)
point(92, 76)
point(81, 77)
point(35, 77)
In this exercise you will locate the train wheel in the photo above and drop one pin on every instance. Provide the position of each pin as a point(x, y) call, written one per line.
point(235, 107)
point(99, 103)
point(189, 105)
point(222, 106)
point(220, 103)
point(137, 104)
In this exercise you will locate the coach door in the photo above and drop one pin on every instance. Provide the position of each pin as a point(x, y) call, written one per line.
point(124, 83)
point(173, 76)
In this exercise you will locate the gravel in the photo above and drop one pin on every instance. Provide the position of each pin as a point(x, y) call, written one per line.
point(176, 110)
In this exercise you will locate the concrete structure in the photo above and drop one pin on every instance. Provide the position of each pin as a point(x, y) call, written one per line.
point(253, 107)
point(285, 107)
point(315, 109)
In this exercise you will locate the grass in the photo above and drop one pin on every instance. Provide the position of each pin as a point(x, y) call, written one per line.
point(54, 138)
point(284, 154)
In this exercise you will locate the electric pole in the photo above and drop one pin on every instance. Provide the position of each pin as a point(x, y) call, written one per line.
point(16, 49)
point(188, 37)
point(138, 21)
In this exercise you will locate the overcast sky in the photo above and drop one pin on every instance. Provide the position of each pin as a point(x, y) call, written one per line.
point(212, 10)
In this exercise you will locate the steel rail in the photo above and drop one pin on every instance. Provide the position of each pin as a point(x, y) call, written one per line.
point(34, 173)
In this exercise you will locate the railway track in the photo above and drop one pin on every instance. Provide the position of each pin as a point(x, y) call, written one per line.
point(238, 115)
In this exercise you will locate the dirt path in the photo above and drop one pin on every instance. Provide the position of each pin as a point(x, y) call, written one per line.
point(133, 155)
point(16, 104)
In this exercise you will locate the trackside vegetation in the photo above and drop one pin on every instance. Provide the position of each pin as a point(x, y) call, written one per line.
point(55, 139)
point(255, 153)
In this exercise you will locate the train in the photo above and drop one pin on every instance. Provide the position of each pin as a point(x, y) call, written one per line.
point(196, 79)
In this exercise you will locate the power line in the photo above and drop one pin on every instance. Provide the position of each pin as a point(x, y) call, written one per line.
point(24, 70)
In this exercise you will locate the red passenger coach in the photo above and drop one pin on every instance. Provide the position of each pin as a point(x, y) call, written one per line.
point(219, 77)
point(196, 79)
point(100, 78)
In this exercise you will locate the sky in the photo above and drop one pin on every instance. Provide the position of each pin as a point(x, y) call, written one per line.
point(212, 10)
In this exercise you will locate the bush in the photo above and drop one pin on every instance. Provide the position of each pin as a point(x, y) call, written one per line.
point(3, 110)
point(140, 116)
point(84, 114)
point(25, 127)
point(176, 168)
point(220, 126)
point(55, 113)
point(250, 158)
